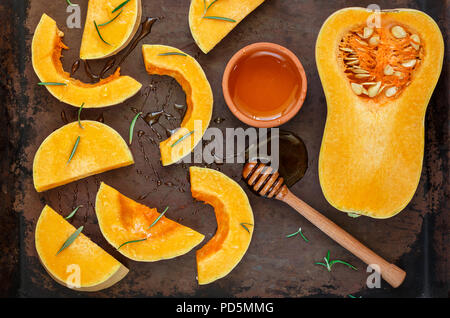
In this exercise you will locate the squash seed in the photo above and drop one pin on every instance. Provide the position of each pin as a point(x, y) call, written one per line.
point(373, 90)
point(374, 40)
point(367, 32)
point(362, 75)
point(409, 63)
point(357, 88)
point(388, 70)
point(415, 43)
point(361, 42)
point(359, 71)
point(353, 62)
point(345, 49)
point(369, 83)
point(391, 91)
point(398, 32)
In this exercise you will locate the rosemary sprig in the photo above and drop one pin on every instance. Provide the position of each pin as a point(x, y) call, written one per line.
point(135, 241)
point(351, 296)
point(182, 138)
point(246, 228)
point(298, 232)
point(158, 218)
point(71, 4)
point(79, 112)
point(74, 149)
point(120, 6)
point(328, 264)
point(133, 123)
point(218, 18)
point(52, 84)
point(99, 34)
point(70, 240)
point(73, 212)
point(172, 53)
point(106, 23)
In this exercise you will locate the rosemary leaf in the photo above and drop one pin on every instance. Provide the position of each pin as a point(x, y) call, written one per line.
point(79, 112)
point(74, 149)
point(298, 232)
point(70, 239)
point(52, 84)
point(246, 228)
point(73, 212)
point(133, 123)
point(218, 18)
point(99, 34)
point(158, 218)
point(172, 53)
point(210, 5)
point(328, 264)
point(135, 241)
point(71, 4)
point(106, 23)
point(345, 263)
point(182, 138)
point(120, 6)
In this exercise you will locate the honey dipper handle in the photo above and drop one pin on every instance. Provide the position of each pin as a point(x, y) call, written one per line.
point(390, 273)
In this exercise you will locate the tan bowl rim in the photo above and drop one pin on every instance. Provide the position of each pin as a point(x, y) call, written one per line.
point(274, 48)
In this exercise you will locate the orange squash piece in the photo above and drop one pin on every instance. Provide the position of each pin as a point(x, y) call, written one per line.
point(235, 223)
point(208, 32)
point(100, 148)
point(83, 265)
point(378, 81)
point(122, 220)
point(122, 26)
point(46, 53)
point(199, 98)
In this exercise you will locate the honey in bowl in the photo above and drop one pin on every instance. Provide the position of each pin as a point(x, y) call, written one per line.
point(264, 83)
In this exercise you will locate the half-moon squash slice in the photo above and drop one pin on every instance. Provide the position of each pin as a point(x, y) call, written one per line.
point(378, 72)
point(167, 60)
point(116, 25)
point(123, 220)
point(61, 159)
point(83, 265)
point(210, 21)
point(46, 53)
point(235, 223)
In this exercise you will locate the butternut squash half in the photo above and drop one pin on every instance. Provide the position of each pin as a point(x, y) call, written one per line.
point(117, 23)
point(150, 239)
point(211, 20)
point(235, 223)
point(378, 72)
point(167, 60)
point(46, 53)
point(72, 152)
point(83, 265)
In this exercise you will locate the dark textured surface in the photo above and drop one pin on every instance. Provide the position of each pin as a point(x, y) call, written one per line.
point(274, 266)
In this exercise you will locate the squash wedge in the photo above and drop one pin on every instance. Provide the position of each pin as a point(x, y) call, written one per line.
point(83, 265)
point(46, 53)
point(122, 220)
point(61, 160)
point(199, 98)
point(235, 223)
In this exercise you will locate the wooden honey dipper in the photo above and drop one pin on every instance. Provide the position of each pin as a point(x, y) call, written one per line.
point(268, 183)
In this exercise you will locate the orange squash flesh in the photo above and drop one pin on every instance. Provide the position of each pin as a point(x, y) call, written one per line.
point(46, 53)
point(207, 33)
point(199, 98)
point(122, 219)
point(372, 148)
point(100, 149)
point(98, 270)
point(118, 33)
point(235, 223)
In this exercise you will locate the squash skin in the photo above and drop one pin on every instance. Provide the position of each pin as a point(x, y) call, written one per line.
point(122, 219)
point(100, 149)
point(371, 154)
point(208, 33)
point(199, 98)
point(46, 63)
point(118, 33)
point(227, 247)
point(98, 269)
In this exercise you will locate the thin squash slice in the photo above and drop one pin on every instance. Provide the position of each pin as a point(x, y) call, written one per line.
point(378, 73)
point(235, 223)
point(46, 53)
point(150, 238)
point(83, 265)
point(117, 23)
point(167, 60)
point(211, 20)
point(60, 159)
